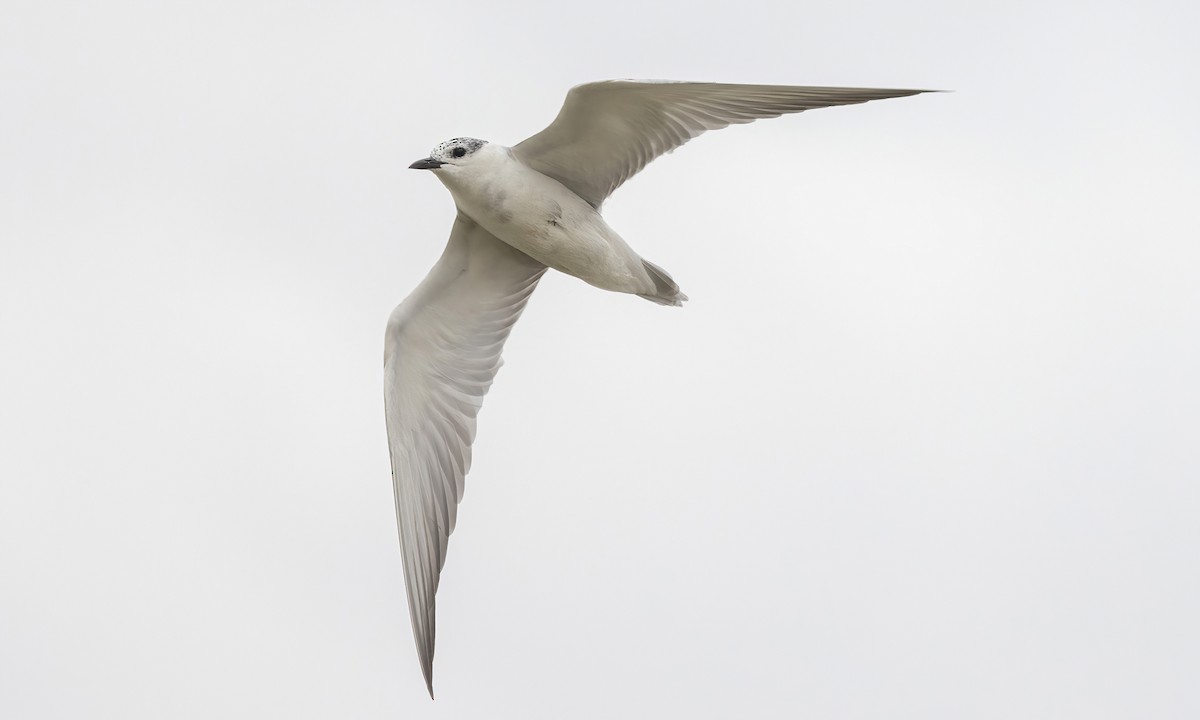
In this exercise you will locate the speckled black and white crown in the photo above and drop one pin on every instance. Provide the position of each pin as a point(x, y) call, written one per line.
point(467, 145)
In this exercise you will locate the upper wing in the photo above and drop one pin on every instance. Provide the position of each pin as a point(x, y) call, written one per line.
point(607, 131)
point(441, 351)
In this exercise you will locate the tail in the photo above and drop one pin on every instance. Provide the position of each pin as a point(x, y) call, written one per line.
point(666, 291)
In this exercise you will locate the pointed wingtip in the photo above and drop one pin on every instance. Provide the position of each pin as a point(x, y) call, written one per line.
point(422, 612)
point(427, 671)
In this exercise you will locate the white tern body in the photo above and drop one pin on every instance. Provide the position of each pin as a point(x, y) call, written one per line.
point(540, 217)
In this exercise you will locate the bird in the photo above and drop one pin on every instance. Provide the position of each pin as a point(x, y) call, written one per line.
point(522, 210)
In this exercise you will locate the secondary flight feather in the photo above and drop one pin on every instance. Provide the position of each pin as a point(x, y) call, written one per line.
point(522, 210)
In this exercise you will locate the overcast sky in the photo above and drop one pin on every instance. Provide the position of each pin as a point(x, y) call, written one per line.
point(924, 444)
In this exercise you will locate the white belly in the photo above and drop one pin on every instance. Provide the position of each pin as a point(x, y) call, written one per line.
point(541, 218)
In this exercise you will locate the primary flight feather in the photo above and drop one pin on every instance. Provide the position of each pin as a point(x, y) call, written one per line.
point(522, 210)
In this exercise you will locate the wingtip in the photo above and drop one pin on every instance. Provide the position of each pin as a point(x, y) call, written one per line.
point(428, 672)
point(911, 92)
point(425, 658)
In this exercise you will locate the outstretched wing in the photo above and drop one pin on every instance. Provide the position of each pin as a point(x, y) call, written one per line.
point(441, 352)
point(608, 131)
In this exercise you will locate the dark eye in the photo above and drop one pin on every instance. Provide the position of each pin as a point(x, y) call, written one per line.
point(459, 152)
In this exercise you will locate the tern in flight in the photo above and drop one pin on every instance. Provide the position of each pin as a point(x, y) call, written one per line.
point(521, 210)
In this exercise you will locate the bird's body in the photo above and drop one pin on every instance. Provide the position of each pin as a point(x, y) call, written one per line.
point(540, 217)
point(521, 210)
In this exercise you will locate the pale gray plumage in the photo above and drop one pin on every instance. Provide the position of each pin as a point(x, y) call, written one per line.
point(441, 351)
point(607, 131)
point(443, 343)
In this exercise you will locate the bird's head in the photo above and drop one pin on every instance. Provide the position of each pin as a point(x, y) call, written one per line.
point(459, 152)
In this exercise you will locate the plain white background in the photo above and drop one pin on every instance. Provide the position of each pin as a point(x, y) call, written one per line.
point(922, 445)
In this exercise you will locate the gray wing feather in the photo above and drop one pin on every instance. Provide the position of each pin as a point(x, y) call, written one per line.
point(441, 352)
point(608, 131)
